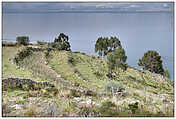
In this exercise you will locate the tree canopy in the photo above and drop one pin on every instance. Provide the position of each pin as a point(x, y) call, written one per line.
point(61, 43)
point(116, 59)
point(23, 40)
point(104, 45)
point(152, 62)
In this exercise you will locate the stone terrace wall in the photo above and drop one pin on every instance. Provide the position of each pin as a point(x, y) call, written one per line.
point(19, 83)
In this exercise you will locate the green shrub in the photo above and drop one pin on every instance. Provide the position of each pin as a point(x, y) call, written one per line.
point(111, 76)
point(47, 52)
point(88, 112)
point(108, 104)
point(41, 43)
point(166, 74)
point(24, 53)
point(90, 93)
point(110, 113)
point(108, 109)
point(25, 87)
point(20, 102)
point(133, 107)
point(114, 86)
point(53, 91)
point(76, 84)
point(75, 93)
point(26, 95)
point(9, 44)
point(98, 74)
point(47, 95)
point(71, 60)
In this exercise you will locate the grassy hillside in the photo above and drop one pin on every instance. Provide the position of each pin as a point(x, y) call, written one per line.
point(83, 87)
point(9, 69)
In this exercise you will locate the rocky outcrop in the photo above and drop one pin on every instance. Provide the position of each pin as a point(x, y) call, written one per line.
point(21, 83)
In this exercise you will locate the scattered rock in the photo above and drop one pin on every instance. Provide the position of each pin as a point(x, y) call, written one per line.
point(58, 76)
point(17, 107)
point(51, 110)
point(76, 98)
point(87, 103)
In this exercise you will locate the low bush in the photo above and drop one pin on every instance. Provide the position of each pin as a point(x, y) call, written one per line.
point(31, 112)
point(41, 43)
point(114, 87)
point(108, 109)
point(108, 104)
point(26, 95)
point(90, 93)
point(98, 74)
point(47, 51)
point(72, 58)
point(54, 91)
point(76, 52)
point(24, 53)
point(133, 107)
point(88, 112)
point(111, 76)
point(76, 84)
point(75, 93)
point(8, 44)
point(166, 74)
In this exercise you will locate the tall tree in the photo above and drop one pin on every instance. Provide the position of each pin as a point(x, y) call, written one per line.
point(105, 45)
point(152, 62)
point(116, 59)
point(99, 46)
point(61, 43)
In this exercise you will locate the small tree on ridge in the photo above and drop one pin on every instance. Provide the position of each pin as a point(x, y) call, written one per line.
point(152, 62)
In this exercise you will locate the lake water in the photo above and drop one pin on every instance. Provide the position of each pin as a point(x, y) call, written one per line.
point(138, 32)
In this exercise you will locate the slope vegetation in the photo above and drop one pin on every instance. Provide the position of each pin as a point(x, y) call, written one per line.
point(83, 88)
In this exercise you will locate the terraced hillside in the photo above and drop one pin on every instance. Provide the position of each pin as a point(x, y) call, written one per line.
point(81, 87)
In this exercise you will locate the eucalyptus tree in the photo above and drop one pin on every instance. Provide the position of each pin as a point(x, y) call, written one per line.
point(105, 45)
point(62, 43)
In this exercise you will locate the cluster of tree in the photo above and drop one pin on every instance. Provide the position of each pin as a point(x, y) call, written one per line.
point(105, 45)
point(116, 58)
point(22, 40)
point(112, 48)
point(60, 43)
